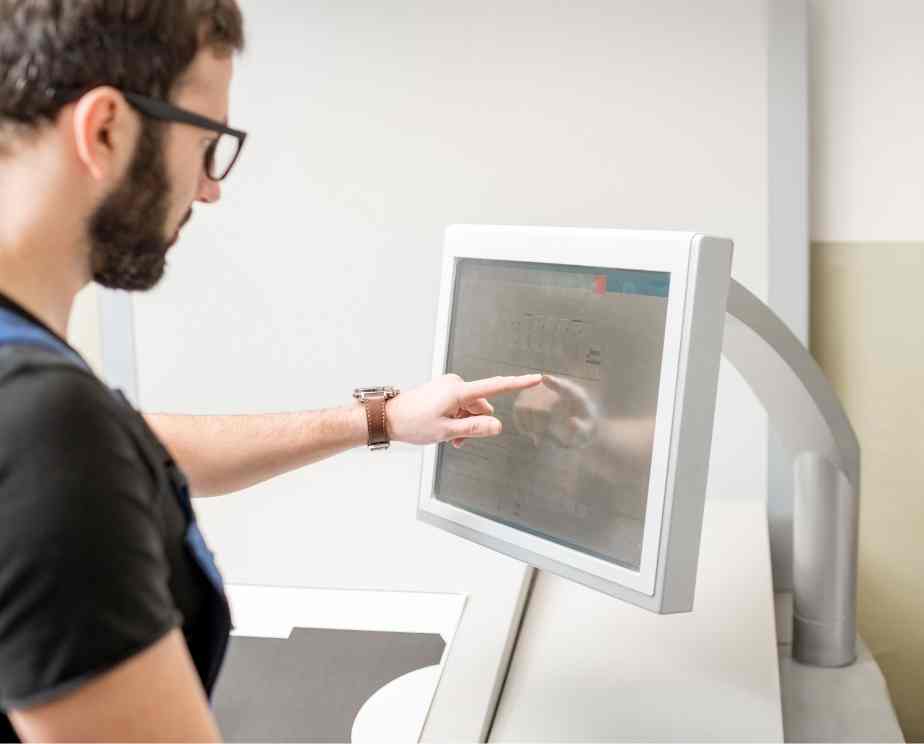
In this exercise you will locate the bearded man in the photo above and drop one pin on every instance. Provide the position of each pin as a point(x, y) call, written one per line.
point(113, 618)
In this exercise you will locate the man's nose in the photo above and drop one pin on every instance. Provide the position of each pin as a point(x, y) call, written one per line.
point(209, 190)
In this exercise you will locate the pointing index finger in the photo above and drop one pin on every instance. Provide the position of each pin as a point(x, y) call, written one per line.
point(492, 386)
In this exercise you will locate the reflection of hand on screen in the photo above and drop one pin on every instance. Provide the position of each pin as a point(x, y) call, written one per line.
point(559, 409)
point(622, 451)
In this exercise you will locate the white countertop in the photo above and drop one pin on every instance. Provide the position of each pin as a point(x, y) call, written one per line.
point(833, 705)
point(590, 668)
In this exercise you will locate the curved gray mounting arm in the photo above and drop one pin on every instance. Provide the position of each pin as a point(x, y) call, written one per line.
point(812, 424)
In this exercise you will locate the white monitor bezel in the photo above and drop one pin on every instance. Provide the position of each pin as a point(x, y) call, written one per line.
point(637, 250)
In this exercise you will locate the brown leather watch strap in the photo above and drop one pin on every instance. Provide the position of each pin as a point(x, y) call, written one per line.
point(375, 418)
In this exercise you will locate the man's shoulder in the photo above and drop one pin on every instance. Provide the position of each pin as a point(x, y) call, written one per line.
point(57, 416)
point(37, 364)
point(38, 386)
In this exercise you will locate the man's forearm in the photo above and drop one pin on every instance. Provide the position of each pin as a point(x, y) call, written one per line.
point(221, 454)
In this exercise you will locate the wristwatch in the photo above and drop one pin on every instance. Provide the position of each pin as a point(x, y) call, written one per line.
point(373, 398)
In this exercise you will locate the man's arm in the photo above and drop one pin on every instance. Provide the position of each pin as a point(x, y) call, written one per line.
point(153, 696)
point(221, 454)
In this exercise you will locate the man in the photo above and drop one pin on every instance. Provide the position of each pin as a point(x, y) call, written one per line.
point(113, 623)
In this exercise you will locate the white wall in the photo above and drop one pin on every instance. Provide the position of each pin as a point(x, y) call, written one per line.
point(868, 111)
point(373, 127)
point(789, 226)
point(84, 330)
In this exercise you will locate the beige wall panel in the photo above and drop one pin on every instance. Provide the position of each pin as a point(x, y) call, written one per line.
point(867, 306)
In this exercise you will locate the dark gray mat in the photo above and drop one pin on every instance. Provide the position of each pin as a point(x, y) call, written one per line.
point(310, 686)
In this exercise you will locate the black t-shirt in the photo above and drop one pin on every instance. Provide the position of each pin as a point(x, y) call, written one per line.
point(93, 566)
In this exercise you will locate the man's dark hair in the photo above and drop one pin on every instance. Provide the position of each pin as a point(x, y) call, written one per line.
point(51, 47)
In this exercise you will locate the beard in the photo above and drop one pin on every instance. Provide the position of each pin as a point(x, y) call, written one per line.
point(128, 245)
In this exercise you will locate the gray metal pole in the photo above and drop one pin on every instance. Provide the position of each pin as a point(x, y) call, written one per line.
point(814, 427)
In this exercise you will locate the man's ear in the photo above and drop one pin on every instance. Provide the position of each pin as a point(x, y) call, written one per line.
point(104, 129)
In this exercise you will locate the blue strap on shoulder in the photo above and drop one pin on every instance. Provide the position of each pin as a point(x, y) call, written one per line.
point(17, 331)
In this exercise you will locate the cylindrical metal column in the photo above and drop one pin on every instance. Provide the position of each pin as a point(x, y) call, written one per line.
point(825, 518)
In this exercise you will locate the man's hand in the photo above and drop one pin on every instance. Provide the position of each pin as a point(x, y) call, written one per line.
point(448, 408)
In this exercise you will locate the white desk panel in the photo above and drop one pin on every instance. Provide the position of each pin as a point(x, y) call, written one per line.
point(349, 523)
point(395, 711)
point(590, 668)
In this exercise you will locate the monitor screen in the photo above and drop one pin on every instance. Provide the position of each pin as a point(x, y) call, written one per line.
point(573, 462)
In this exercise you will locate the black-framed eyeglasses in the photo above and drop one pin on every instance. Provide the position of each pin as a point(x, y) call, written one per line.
point(221, 154)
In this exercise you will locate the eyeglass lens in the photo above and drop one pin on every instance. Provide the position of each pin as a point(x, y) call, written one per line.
point(220, 156)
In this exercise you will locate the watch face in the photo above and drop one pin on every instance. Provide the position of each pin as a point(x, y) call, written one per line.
point(388, 391)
